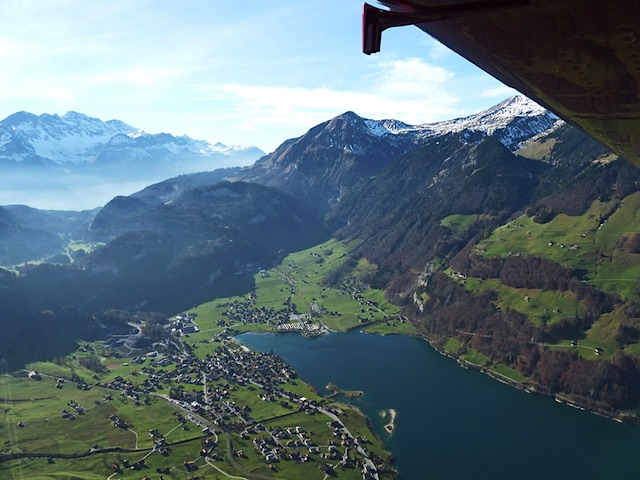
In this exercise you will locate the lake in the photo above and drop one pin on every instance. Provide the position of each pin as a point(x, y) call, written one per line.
point(454, 423)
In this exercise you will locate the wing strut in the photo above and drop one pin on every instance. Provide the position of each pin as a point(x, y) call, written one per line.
point(376, 20)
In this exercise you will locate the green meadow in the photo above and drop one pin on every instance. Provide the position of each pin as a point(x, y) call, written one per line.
point(302, 276)
point(541, 307)
point(595, 242)
point(38, 405)
point(475, 357)
point(458, 223)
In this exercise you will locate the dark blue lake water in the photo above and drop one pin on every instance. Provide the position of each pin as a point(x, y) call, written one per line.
point(454, 423)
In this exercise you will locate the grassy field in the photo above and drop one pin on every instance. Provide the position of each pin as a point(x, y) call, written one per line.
point(509, 373)
point(540, 307)
point(594, 242)
point(302, 277)
point(458, 223)
point(38, 405)
point(598, 243)
point(88, 468)
point(473, 356)
point(394, 327)
point(453, 346)
point(88, 247)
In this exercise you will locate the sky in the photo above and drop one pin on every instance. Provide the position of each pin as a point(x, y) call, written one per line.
point(240, 73)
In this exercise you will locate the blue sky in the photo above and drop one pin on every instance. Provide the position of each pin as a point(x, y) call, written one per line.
point(247, 73)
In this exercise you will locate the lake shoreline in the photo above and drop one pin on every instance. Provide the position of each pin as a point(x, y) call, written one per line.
point(616, 416)
point(529, 389)
point(435, 400)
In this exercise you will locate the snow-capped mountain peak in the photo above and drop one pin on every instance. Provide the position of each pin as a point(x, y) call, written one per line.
point(71, 138)
point(230, 149)
point(136, 134)
point(494, 118)
point(512, 121)
point(75, 139)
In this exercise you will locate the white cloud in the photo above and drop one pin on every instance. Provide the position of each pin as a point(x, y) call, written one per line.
point(409, 89)
point(215, 71)
point(411, 77)
point(499, 91)
point(438, 51)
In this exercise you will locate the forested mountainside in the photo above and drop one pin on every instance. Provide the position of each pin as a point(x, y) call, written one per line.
point(204, 243)
point(19, 243)
point(398, 212)
point(511, 240)
point(207, 242)
point(325, 163)
point(532, 263)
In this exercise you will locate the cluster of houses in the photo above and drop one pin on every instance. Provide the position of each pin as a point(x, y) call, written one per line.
point(347, 442)
point(230, 363)
point(71, 415)
point(118, 422)
point(268, 448)
point(183, 324)
point(159, 442)
point(458, 275)
point(300, 326)
point(271, 448)
point(139, 465)
point(245, 311)
point(127, 388)
point(573, 246)
point(288, 319)
point(216, 375)
point(369, 307)
point(299, 446)
point(266, 372)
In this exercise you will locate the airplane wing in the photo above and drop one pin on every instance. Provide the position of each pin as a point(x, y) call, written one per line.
point(578, 58)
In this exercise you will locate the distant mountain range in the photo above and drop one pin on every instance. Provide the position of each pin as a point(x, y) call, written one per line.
point(87, 161)
point(322, 168)
point(341, 168)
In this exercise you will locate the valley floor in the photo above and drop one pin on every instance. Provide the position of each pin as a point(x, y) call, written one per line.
point(197, 402)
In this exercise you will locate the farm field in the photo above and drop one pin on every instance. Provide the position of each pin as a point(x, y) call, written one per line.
point(321, 286)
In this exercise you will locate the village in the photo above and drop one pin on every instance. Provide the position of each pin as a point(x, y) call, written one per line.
point(214, 406)
point(245, 411)
point(220, 393)
point(289, 319)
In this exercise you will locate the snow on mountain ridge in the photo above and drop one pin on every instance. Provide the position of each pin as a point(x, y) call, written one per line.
point(71, 138)
point(75, 138)
point(514, 118)
point(229, 149)
point(380, 128)
point(494, 118)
